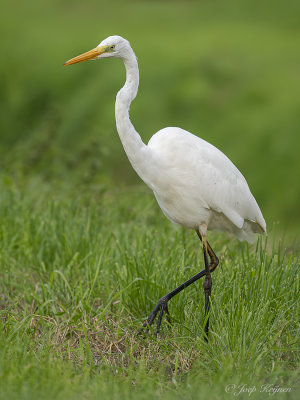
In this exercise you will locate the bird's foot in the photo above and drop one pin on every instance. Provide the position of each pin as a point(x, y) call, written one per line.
point(161, 306)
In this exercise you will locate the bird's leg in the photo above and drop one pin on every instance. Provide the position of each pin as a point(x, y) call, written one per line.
point(162, 304)
point(207, 284)
point(214, 261)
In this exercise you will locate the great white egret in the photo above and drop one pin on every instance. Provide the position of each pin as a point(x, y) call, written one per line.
point(194, 183)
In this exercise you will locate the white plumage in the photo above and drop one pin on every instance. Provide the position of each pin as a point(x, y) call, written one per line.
point(194, 183)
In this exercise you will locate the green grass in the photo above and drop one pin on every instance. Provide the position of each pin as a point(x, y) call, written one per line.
point(85, 252)
point(80, 275)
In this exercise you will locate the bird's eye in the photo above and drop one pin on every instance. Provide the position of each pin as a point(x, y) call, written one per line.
point(112, 47)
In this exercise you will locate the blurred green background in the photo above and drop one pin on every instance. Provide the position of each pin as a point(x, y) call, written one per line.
point(227, 71)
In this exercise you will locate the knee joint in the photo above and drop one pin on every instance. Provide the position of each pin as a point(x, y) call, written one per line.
point(214, 264)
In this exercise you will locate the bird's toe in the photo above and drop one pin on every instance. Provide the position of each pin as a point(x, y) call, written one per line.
point(161, 306)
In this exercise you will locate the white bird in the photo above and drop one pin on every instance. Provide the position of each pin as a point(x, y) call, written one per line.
point(194, 183)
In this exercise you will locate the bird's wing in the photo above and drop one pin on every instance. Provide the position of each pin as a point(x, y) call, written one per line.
point(199, 169)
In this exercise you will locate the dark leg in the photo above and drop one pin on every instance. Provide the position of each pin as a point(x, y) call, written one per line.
point(214, 261)
point(206, 285)
point(162, 304)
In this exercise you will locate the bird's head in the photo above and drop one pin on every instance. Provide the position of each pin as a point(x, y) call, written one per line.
point(113, 46)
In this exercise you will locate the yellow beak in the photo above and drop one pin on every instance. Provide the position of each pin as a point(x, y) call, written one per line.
point(89, 55)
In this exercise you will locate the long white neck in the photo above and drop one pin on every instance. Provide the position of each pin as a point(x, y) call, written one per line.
point(131, 140)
